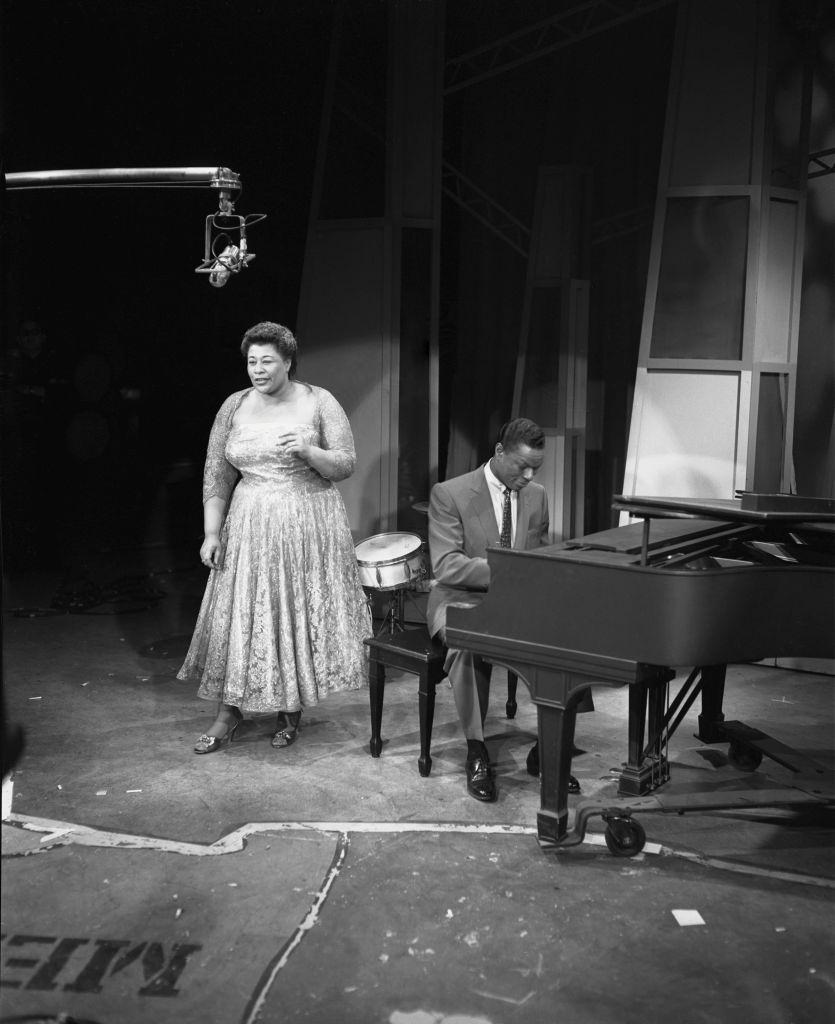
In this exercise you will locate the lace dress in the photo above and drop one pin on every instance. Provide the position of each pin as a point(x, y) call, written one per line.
point(283, 618)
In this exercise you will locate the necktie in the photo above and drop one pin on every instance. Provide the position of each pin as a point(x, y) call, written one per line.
point(504, 540)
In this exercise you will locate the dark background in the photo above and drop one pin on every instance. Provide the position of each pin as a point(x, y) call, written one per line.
point(139, 350)
point(104, 430)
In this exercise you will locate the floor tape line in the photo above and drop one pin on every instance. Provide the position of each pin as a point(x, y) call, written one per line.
point(63, 833)
point(705, 860)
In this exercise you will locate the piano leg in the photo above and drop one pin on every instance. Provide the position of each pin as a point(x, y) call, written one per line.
point(556, 741)
point(646, 769)
point(713, 692)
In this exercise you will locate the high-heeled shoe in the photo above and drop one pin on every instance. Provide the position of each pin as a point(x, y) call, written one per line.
point(286, 736)
point(209, 744)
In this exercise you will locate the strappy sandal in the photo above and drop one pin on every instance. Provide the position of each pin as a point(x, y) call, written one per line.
point(209, 744)
point(289, 730)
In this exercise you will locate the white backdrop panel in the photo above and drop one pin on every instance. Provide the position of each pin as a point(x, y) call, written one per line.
point(685, 444)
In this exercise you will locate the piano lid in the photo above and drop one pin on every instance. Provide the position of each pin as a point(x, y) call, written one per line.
point(750, 507)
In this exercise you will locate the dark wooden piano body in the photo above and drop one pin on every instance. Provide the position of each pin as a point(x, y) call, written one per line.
point(708, 584)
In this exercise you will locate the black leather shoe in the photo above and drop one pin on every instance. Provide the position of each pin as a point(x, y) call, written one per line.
point(480, 782)
point(483, 753)
point(532, 765)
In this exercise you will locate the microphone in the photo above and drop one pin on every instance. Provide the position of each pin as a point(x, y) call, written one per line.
point(227, 263)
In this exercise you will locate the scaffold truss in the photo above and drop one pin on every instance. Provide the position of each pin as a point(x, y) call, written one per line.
point(555, 33)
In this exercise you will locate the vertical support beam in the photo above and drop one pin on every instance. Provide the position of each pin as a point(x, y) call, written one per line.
point(368, 309)
point(414, 131)
point(719, 334)
point(552, 359)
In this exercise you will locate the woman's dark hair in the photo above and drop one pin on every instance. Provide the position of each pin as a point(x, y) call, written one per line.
point(277, 335)
point(521, 431)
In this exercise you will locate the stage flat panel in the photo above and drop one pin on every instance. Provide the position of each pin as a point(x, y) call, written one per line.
point(701, 281)
point(686, 424)
point(774, 336)
point(343, 347)
point(715, 108)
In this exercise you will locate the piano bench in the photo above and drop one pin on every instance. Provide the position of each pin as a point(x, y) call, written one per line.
point(413, 650)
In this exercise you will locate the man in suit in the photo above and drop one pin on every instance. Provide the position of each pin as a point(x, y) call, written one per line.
point(498, 504)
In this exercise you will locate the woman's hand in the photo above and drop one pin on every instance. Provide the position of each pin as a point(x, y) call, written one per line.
point(210, 551)
point(293, 442)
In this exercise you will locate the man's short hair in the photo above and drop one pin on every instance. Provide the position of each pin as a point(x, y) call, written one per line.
point(521, 431)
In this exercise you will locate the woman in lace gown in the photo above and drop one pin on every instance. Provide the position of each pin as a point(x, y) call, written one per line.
point(284, 614)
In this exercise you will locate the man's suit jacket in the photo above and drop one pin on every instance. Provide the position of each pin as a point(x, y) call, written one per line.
point(462, 523)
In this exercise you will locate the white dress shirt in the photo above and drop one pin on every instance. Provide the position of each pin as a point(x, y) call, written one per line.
point(497, 489)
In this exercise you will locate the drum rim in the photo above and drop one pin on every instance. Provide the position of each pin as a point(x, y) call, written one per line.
point(389, 561)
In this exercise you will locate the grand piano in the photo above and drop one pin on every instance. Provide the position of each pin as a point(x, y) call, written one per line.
point(695, 584)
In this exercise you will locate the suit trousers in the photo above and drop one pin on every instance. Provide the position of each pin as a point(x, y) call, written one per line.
point(469, 676)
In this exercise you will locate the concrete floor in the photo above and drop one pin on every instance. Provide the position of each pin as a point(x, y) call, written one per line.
point(317, 884)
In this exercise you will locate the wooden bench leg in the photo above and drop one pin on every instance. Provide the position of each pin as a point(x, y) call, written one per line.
point(510, 707)
point(376, 689)
point(426, 707)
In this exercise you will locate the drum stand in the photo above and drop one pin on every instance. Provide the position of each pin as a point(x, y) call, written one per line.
point(393, 621)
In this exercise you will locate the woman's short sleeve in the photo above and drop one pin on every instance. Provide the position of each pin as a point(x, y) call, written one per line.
point(335, 434)
point(219, 475)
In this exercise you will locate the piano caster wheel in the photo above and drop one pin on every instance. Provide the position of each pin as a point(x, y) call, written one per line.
point(625, 837)
point(743, 758)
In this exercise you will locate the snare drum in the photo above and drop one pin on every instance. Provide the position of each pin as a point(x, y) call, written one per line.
point(389, 561)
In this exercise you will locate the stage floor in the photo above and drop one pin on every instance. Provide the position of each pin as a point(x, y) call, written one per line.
point(142, 882)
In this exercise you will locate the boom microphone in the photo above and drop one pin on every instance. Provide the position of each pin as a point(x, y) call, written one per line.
point(228, 262)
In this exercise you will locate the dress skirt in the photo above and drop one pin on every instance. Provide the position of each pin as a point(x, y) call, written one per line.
point(283, 618)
